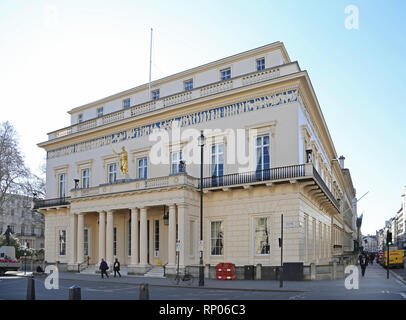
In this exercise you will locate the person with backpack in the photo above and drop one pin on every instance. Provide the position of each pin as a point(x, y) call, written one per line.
point(103, 268)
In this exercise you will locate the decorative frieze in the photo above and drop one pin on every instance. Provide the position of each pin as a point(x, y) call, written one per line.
point(234, 109)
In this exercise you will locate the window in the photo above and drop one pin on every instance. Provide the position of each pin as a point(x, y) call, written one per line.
point(112, 172)
point(305, 236)
point(192, 238)
point(156, 235)
point(217, 164)
point(176, 162)
point(143, 168)
point(22, 229)
point(126, 103)
point(260, 64)
point(61, 185)
point(262, 246)
point(314, 238)
point(155, 94)
point(188, 85)
point(12, 212)
point(225, 74)
point(80, 118)
point(216, 238)
point(85, 178)
point(262, 157)
point(86, 242)
point(115, 241)
point(100, 112)
point(62, 242)
point(320, 249)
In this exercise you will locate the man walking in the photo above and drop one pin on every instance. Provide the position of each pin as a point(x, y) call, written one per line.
point(103, 268)
point(363, 263)
point(116, 268)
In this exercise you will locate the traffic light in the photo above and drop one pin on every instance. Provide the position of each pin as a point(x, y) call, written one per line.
point(389, 238)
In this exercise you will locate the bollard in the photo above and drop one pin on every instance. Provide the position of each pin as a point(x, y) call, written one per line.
point(144, 292)
point(74, 293)
point(31, 289)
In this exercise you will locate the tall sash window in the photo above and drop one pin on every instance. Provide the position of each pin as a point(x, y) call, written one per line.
point(217, 164)
point(262, 157)
point(62, 185)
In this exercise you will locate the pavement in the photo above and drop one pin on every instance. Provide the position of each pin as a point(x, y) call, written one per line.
point(374, 286)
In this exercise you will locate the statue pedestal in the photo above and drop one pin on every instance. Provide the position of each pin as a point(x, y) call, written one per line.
point(8, 251)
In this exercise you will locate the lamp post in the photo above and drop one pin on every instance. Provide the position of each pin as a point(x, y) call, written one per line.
point(201, 267)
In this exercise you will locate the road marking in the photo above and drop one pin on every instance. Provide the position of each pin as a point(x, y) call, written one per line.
point(403, 295)
point(401, 283)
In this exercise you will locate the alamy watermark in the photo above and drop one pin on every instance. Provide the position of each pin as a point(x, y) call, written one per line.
point(352, 280)
point(352, 20)
point(52, 280)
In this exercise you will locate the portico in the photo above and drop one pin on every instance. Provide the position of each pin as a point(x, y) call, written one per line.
point(137, 236)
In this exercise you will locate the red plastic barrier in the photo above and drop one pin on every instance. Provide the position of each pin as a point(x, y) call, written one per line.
point(225, 271)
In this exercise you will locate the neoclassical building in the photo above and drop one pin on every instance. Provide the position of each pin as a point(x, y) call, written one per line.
point(123, 180)
point(27, 226)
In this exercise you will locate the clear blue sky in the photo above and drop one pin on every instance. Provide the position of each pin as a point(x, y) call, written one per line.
point(57, 55)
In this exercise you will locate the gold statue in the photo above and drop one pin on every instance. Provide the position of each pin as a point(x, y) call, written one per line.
point(123, 160)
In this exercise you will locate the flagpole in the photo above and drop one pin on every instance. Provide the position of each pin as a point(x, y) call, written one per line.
point(150, 63)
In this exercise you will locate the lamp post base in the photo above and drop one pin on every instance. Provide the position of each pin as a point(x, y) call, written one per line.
point(201, 273)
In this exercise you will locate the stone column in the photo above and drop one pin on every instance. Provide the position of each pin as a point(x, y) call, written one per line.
point(73, 232)
point(143, 238)
point(172, 236)
point(109, 237)
point(181, 233)
point(102, 235)
point(134, 236)
point(81, 235)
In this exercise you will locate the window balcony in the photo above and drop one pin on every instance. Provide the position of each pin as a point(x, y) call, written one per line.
point(47, 203)
point(273, 175)
point(290, 174)
point(178, 98)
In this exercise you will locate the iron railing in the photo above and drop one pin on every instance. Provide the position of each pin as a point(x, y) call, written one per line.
point(280, 173)
point(45, 203)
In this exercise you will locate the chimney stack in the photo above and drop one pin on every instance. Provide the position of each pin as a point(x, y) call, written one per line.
point(341, 159)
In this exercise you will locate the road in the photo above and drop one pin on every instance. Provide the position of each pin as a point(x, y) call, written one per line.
point(374, 286)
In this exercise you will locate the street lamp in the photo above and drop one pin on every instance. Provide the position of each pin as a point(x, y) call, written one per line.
point(201, 141)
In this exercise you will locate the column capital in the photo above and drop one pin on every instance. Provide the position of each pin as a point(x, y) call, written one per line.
point(172, 206)
point(134, 209)
point(111, 211)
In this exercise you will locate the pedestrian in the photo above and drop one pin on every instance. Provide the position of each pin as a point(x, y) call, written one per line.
point(116, 268)
point(103, 268)
point(363, 263)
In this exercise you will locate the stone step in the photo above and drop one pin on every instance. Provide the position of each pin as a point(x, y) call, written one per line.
point(155, 272)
